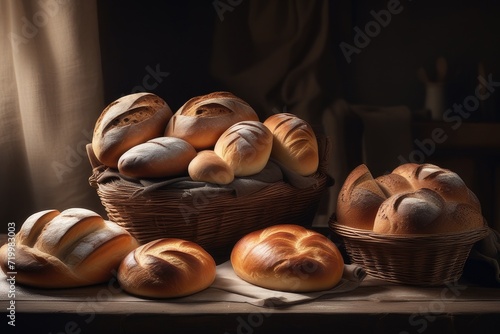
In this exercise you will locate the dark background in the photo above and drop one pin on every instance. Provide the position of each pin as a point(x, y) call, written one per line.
point(178, 37)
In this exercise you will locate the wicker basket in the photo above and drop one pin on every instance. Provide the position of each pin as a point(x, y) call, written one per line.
point(415, 260)
point(213, 217)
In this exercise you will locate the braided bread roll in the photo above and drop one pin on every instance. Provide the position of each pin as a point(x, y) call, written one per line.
point(167, 268)
point(202, 119)
point(288, 257)
point(75, 247)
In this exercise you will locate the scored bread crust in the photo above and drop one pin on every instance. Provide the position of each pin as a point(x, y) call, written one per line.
point(359, 199)
point(246, 147)
point(203, 119)
point(126, 122)
point(294, 143)
point(72, 248)
point(167, 268)
point(288, 257)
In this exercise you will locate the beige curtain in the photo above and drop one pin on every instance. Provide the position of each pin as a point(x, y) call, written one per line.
point(50, 96)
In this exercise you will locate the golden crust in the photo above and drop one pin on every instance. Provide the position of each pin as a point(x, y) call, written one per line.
point(288, 258)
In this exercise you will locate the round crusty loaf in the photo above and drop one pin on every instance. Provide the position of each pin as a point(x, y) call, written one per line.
point(75, 247)
point(202, 119)
point(294, 143)
point(209, 167)
point(158, 157)
point(246, 147)
point(167, 268)
point(412, 199)
point(288, 258)
point(446, 183)
point(424, 211)
point(127, 122)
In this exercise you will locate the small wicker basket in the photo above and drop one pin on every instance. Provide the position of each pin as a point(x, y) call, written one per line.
point(414, 260)
point(212, 216)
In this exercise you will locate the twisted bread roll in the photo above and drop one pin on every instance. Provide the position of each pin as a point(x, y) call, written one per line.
point(246, 147)
point(294, 143)
point(127, 122)
point(413, 198)
point(167, 268)
point(288, 258)
point(75, 247)
point(202, 119)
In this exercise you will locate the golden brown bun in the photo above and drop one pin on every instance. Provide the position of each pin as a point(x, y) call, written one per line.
point(209, 167)
point(246, 147)
point(75, 247)
point(424, 211)
point(359, 199)
point(127, 122)
point(413, 198)
point(202, 119)
point(288, 258)
point(294, 143)
point(159, 157)
point(167, 268)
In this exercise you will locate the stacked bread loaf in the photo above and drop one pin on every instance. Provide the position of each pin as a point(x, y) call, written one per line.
point(412, 199)
point(212, 138)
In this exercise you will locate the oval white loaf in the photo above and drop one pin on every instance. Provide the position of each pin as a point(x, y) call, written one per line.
point(75, 247)
point(127, 122)
point(294, 143)
point(246, 147)
point(158, 157)
point(288, 257)
point(202, 119)
point(167, 268)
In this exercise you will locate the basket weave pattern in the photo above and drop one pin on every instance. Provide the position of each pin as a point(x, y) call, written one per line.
point(216, 218)
point(415, 260)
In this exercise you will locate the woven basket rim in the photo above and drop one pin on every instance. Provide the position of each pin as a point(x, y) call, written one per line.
point(370, 236)
point(214, 216)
